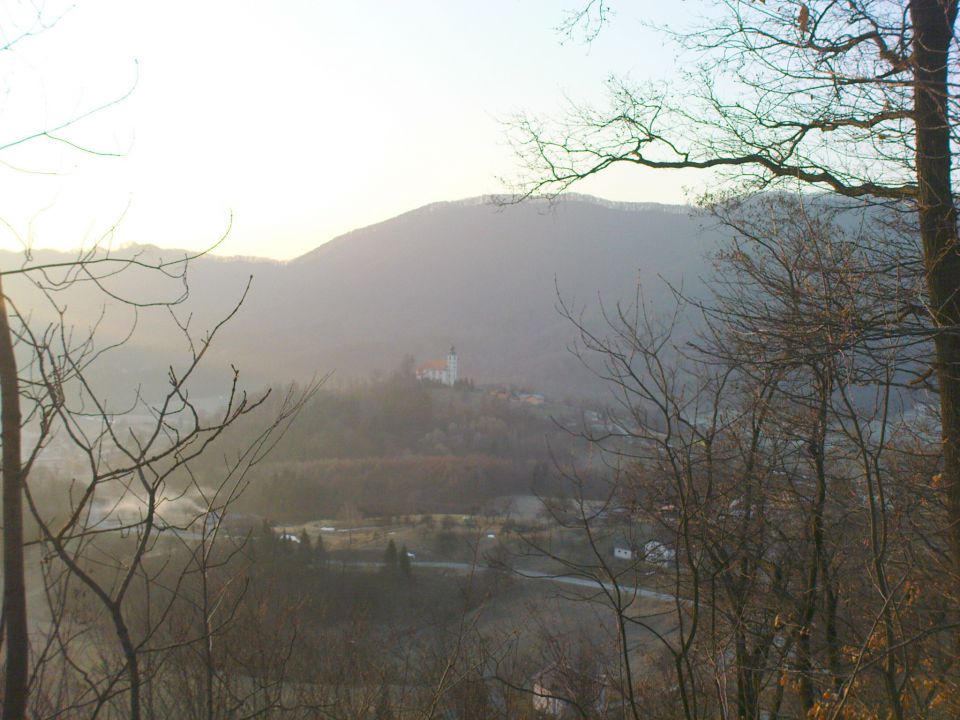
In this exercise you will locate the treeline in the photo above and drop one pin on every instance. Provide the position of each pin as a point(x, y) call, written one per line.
point(399, 415)
point(396, 446)
point(299, 491)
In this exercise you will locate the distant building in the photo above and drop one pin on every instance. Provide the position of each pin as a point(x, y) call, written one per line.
point(444, 371)
point(652, 551)
point(659, 554)
point(561, 691)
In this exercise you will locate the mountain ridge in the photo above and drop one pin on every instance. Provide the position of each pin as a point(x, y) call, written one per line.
point(467, 273)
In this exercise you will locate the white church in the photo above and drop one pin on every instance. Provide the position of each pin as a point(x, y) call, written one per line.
point(441, 371)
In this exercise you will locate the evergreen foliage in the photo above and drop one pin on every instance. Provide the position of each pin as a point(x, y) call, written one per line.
point(390, 559)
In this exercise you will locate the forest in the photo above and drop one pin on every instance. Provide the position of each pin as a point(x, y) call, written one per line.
point(399, 446)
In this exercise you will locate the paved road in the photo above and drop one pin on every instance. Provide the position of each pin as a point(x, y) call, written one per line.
point(540, 575)
point(476, 567)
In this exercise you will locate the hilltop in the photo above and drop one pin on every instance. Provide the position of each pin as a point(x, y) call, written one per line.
point(483, 277)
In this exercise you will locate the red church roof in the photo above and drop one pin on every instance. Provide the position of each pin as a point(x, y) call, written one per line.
point(433, 365)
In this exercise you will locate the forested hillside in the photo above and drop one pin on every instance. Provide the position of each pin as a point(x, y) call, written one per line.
point(483, 277)
point(397, 446)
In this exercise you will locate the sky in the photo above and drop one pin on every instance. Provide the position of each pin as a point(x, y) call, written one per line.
point(289, 122)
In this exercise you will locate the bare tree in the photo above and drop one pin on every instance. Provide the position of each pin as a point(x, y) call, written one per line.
point(134, 490)
point(14, 587)
point(21, 24)
point(767, 477)
point(856, 98)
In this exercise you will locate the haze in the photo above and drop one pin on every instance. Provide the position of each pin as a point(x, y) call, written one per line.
point(301, 120)
point(404, 446)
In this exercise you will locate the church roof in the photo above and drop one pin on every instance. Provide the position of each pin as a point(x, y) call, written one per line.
point(433, 365)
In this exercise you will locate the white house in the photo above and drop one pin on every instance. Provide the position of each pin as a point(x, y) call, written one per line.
point(659, 554)
point(443, 371)
point(559, 689)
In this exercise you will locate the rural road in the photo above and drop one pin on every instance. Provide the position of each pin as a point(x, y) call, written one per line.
point(535, 575)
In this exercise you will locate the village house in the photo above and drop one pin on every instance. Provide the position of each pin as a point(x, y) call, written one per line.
point(622, 553)
point(562, 691)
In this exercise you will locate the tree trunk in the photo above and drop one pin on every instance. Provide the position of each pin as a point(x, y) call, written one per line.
point(14, 585)
point(933, 22)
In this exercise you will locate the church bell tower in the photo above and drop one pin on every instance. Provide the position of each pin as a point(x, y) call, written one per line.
point(452, 366)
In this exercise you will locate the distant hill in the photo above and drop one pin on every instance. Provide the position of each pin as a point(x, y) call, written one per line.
point(480, 277)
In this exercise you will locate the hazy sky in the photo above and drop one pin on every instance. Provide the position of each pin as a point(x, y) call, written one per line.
point(304, 119)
